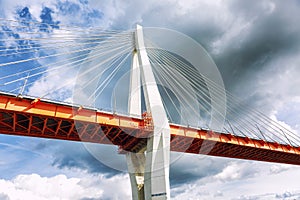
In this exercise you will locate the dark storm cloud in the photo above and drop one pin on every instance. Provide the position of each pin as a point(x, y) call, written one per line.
point(168, 15)
point(273, 32)
point(4, 196)
point(198, 167)
point(74, 155)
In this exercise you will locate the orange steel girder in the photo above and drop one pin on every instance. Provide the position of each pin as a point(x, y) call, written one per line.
point(46, 119)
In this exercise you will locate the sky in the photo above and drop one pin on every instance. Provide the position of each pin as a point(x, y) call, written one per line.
point(256, 47)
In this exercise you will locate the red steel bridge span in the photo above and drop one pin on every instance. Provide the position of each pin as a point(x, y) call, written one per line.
point(26, 116)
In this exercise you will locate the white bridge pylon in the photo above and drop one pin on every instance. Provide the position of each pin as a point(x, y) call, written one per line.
point(148, 169)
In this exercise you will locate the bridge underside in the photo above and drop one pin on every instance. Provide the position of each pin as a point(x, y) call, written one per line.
point(46, 119)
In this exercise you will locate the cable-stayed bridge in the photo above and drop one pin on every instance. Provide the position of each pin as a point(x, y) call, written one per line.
point(161, 92)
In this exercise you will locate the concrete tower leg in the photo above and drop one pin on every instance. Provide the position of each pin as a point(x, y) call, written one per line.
point(149, 172)
point(136, 168)
point(135, 161)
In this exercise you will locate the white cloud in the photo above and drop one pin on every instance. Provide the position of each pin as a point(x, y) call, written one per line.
point(33, 186)
point(231, 172)
point(248, 178)
point(47, 86)
point(244, 180)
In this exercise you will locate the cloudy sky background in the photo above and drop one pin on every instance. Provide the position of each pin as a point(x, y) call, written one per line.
point(256, 46)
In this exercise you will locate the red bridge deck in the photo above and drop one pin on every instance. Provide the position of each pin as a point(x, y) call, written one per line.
point(46, 119)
